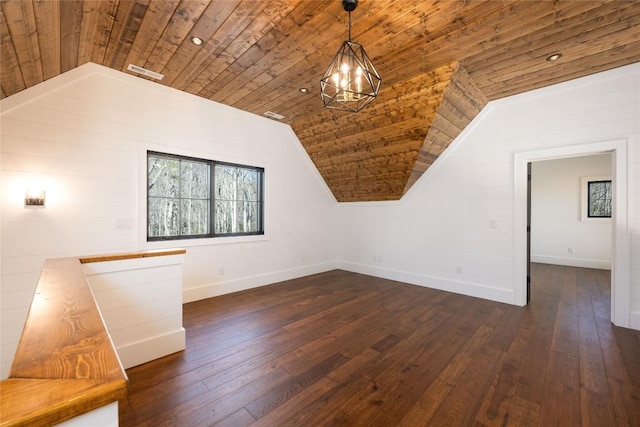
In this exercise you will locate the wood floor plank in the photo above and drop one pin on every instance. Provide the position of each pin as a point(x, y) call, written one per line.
point(457, 409)
point(565, 333)
point(424, 409)
point(278, 395)
point(354, 365)
point(517, 389)
point(505, 332)
point(210, 407)
point(143, 406)
point(345, 349)
point(241, 418)
point(257, 353)
point(623, 371)
point(321, 411)
point(258, 375)
point(497, 405)
point(560, 403)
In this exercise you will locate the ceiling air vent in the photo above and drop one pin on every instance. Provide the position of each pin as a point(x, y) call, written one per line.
point(273, 115)
point(145, 72)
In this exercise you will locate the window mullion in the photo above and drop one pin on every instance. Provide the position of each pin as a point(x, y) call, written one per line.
point(212, 199)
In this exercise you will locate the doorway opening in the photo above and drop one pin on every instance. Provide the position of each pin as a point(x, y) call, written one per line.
point(620, 256)
point(565, 226)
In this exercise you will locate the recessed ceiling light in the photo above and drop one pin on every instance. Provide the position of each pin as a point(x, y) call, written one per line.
point(196, 40)
point(303, 90)
point(554, 57)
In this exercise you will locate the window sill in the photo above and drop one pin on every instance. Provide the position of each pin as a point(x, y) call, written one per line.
point(212, 241)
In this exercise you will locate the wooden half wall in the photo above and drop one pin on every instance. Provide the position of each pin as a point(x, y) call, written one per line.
point(381, 151)
point(65, 365)
point(67, 369)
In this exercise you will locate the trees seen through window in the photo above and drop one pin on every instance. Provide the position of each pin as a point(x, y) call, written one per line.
point(192, 198)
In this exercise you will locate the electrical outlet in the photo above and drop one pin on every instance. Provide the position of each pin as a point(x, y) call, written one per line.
point(570, 250)
point(458, 269)
point(221, 270)
point(377, 258)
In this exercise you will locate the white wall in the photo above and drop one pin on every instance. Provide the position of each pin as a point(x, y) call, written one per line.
point(83, 136)
point(454, 230)
point(560, 233)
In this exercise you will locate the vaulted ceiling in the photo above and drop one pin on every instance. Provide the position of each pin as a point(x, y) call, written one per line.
point(440, 62)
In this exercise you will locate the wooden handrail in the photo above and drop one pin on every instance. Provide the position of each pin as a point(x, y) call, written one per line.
point(131, 255)
point(65, 364)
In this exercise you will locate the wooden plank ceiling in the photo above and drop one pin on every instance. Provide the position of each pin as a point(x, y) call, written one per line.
point(440, 62)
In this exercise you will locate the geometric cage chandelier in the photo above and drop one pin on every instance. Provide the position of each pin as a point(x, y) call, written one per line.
point(351, 82)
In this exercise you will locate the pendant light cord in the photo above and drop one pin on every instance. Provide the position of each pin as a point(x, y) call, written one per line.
point(349, 25)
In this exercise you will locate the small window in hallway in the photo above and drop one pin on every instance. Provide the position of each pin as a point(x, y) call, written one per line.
point(599, 196)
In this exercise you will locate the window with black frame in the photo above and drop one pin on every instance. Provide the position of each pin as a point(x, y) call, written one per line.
point(191, 198)
point(599, 199)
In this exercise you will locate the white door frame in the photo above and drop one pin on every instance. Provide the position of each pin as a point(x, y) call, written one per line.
point(620, 251)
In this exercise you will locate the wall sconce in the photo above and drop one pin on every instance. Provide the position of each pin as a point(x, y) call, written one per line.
point(34, 198)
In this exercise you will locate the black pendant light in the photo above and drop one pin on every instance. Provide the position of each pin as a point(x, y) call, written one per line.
point(351, 82)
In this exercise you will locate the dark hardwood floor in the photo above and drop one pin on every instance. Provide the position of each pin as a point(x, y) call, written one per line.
point(343, 349)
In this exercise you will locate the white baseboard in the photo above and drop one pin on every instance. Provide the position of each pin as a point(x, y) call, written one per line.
point(140, 352)
point(459, 287)
point(221, 288)
point(104, 416)
point(572, 262)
